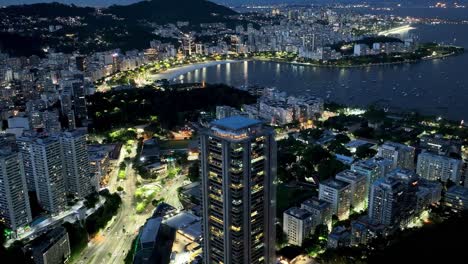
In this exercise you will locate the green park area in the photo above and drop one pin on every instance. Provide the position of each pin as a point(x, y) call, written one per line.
point(144, 196)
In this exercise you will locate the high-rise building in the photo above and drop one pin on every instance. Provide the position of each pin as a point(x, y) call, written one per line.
point(359, 188)
point(401, 155)
point(238, 164)
point(373, 169)
point(45, 168)
point(15, 211)
point(338, 194)
point(456, 197)
point(434, 167)
point(320, 211)
point(52, 247)
point(78, 178)
point(386, 201)
point(297, 225)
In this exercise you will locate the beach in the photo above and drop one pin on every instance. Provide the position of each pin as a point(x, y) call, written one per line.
point(178, 71)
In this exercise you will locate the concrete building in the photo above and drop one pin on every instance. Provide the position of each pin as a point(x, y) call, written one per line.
point(362, 231)
point(373, 169)
point(238, 165)
point(456, 197)
point(79, 181)
point(45, 168)
point(434, 167)
point(320, 211)
point(297, 225)
point(51, 248)
point(359, 188)
point(338, 194)
point(15, 211)
point(339, 237)
point(386, 200)
point(401, 155)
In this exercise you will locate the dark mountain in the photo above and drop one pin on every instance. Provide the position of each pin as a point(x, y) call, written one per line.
point(47, 10)
point(163, 11)
point(118, 26)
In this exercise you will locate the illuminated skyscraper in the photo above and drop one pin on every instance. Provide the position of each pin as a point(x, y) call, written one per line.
point(238, 164)
point(15, 211)
point(78, 177)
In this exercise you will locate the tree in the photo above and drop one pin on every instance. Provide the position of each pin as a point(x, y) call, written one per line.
point(313, 156)
point(342, 138)
point(194, 172)
point(338, 148)
point(364, 152)
point(120, 189)
point(329, 168)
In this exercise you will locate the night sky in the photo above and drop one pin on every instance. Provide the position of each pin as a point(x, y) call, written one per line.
point(123, 2)
point(231, 2)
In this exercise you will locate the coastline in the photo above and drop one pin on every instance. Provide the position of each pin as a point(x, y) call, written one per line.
point(178, 71)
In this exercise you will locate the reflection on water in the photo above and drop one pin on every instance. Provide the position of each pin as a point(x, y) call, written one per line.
point(435, 87)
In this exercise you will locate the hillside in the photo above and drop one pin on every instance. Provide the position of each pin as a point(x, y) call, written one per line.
point(25, 29)
point(163, 11)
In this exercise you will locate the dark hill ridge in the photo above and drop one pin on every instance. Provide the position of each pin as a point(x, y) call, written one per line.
point(173, 10)
point(159, 11)
point(47, 10)
point(132, 29)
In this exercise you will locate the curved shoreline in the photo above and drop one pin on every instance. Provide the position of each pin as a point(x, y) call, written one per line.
point(178, 71)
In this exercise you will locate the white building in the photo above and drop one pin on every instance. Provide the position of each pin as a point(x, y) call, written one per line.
point(359, 188)
point(434, 167)
point(15, 211)
point(361, 50)
point(401, 155)
point(45, 167)
point(297, 225)
point(320, 211)
point(373, 169)
point(338, 193)
point(78, 177)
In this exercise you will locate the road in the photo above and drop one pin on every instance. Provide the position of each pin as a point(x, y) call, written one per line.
point(112, 244)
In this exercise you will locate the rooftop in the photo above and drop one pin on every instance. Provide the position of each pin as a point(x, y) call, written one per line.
point(297, 213)
point(335, 184)
point(235, 123)
point(150, 230)
point(458, 190)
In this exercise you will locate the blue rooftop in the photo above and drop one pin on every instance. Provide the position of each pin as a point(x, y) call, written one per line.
point(235, 123)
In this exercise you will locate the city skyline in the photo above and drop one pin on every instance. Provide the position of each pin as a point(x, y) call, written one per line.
point(195, 132)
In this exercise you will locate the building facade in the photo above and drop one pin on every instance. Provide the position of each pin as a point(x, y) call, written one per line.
point(338, 194)
point(15, 211)
point(238, 165)
point(359, 188)
point(297, 225)
point(401, 155)
point(78, 177)
point(435, 167)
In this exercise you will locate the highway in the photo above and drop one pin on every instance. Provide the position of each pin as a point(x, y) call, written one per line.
point(111, 245)
point(397, 30)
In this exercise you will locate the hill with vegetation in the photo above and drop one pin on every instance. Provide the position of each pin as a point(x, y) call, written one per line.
point(26, 29)
point(163, 11)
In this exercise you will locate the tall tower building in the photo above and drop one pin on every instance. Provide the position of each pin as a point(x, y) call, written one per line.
point(45, 169)
point(15, 211)
point(78, 180)
point(386, 200)
point(238, 164)
point(401, 155)
point(338, 194)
